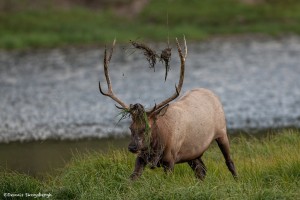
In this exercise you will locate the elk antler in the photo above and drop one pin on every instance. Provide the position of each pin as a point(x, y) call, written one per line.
point(110, 92)
point(178, 89)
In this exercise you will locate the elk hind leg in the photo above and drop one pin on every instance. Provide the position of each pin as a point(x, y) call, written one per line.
point(223, 144)
point(198, 167)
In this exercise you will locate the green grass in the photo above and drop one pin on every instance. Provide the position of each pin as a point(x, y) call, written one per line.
point(268, 168)
point(198, 20)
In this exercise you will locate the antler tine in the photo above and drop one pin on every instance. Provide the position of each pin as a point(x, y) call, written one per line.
point(181, 78)
point(109, 92)
point(112, 50)
point(185, 47)
point(152, 110)
point(182, 61)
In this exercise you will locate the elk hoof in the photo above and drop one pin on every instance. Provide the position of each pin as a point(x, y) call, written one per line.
point(133, 177)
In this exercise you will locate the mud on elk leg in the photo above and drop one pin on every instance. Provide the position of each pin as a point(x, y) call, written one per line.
point(223, 144)
point(138, 169)
point(199, 168)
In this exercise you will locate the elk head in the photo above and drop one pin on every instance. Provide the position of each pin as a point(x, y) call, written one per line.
point(140, 127)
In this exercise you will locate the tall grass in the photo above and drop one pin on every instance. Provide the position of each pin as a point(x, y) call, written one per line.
point(268, 168)
point(196, 19)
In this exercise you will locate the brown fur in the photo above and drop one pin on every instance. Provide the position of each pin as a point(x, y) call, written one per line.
point(182, 132)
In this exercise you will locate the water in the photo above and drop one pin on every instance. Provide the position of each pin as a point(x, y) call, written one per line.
point(43, 158)
point(53, 94)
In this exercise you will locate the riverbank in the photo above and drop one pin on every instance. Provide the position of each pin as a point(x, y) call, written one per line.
point(29, 157)
point(268, 168)
point(27, 27)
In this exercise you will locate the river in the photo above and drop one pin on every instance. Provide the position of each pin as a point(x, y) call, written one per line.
point(53, 94)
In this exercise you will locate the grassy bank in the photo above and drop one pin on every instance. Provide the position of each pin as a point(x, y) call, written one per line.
point(31, 28)
point(269, 168)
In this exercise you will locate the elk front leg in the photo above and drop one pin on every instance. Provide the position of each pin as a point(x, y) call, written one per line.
point(138, 169)
point(168, 162)
point(168, 166)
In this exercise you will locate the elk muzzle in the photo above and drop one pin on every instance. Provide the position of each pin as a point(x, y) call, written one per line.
point(133, 148)
point(136, 144)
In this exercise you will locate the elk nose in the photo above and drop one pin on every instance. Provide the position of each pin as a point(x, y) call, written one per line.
point(132, 148)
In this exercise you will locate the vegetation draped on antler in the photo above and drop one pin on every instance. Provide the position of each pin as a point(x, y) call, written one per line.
point(180, 83)
point(148, 52)
point(151, 53)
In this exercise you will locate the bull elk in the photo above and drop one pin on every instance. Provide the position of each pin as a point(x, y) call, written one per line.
point(177, 132)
